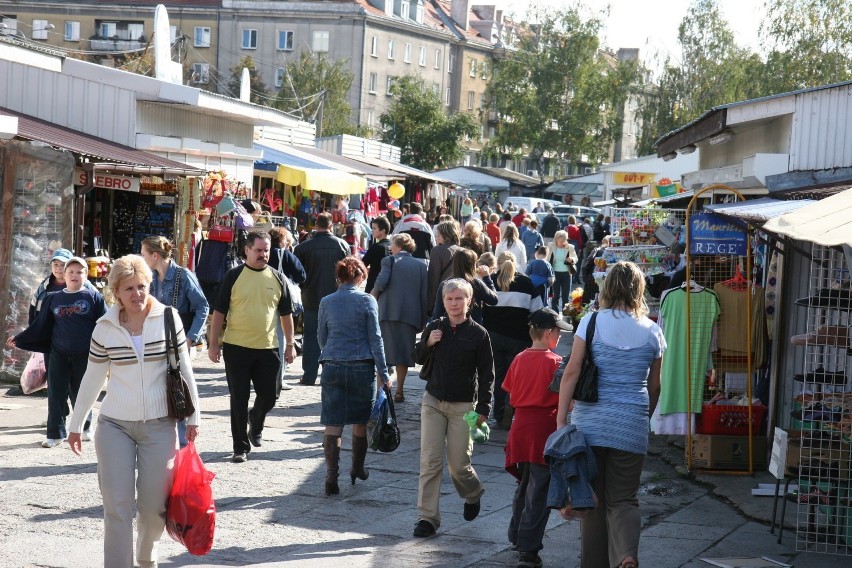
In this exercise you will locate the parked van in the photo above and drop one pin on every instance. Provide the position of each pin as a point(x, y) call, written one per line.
point(529, 203)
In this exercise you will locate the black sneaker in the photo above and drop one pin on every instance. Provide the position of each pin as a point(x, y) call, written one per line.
point(255, 439)
point(239, 458)
point(423, 528)
point(471, 511)
point(529, 560)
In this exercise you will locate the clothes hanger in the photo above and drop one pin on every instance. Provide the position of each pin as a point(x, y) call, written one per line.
point(738, 282)
point(693, 286)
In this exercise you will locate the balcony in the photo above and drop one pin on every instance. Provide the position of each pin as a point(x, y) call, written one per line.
point(116, 44)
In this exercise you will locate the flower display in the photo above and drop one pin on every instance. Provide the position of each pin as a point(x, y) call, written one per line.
point(574, 308)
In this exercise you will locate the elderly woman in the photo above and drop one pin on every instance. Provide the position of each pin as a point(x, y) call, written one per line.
point(627, 349)
point(461, 380)
point(511, 242)
point(441, 257)
point(563, 258)
point(402, 291)
point(474, 238)
point(135, 441)
point(352, 354)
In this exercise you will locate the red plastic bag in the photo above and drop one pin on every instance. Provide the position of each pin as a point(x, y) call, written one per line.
point(191, 512)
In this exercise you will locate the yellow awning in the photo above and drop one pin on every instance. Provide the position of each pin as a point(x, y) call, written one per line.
point(326, 181)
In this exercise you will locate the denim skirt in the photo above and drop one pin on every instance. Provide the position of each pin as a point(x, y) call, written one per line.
point(348, 392)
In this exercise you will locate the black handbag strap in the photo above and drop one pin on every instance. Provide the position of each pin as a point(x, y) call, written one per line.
point(389, 398)
point(176, 289)
point(590, 335)
point(171, 340)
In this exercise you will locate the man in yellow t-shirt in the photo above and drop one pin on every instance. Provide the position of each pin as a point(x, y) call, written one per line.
point(251, 295)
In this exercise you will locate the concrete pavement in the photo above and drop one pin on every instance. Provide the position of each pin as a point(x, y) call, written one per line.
point(272, 510)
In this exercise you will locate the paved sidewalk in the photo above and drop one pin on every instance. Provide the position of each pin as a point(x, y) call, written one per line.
point(272, 510)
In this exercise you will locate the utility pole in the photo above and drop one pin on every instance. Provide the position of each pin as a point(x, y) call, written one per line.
point(319, 115)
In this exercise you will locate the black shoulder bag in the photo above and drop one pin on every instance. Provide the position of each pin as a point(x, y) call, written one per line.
point(426, 369)
point(177, 391)
point(587, 383)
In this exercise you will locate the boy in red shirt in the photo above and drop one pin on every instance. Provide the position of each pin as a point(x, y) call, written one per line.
point(527, 383)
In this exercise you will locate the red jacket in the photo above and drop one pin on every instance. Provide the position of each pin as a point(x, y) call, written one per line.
point(518, 219)
point(493, 232)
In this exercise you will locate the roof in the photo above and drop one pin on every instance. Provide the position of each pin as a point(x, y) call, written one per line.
point(565, 187)
point(726, 106)
point(508, 175)
point(825, 222)
point(758, 210)
point(431, 19)
point(401, 168)
point(90, 146)
point(687, 195)
point(372, 172)
point(474, 180)
point(443, 9)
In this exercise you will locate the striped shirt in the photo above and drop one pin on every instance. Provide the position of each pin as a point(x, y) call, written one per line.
point(623, 348)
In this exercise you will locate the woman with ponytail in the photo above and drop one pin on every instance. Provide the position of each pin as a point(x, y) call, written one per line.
point(507, 322)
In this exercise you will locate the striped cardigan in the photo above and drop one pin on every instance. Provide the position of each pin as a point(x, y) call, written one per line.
point(136, 389)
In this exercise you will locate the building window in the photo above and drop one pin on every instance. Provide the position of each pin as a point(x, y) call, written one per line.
point(418, 14)
point(249, 39)
point(279, 76)
point(172, 34)
point(202, 37)
point(72, 31)
point(107, 29)
point(390, 49)
point(404, 10)
point(436, 88)
point(451, 63)
point(437, 59)
point(483, 70)
point(40, 29)
point(200, 73)
point(135, 31)
point(406, 54)
point(374, 47)
point(447, 97)
point(391, 83)
point(470, 97)
point(473, 67)
point(422, 59)
point(321, 41)
point(285, 40)
point(371, 117)
point(374, 79)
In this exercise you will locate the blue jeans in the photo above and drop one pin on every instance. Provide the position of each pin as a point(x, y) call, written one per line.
point(310, 346)
point(561, 291)
point(65, 374)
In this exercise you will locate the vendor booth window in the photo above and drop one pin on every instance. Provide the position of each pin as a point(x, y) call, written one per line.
point(285, 40)
point(72, 31)
point(201, 37)
point(249, 39)
point(320, 41)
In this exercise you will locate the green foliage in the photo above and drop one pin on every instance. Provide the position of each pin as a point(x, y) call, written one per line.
point(315, 79)
point(259, 92)
point(556, 95)
point(416, 122)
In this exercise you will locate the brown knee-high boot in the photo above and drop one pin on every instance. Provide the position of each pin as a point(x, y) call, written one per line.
point(359, 452)
point(331, 447)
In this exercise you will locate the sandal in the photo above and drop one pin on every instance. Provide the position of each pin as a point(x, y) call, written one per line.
point(629, 563)
point(399, 397)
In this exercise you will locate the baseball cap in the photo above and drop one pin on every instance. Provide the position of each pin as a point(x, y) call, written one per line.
point(545, 318)
point(61, 254)
point(78, 260)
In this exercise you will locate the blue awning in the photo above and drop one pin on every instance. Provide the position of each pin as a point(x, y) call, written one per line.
point(272, 158)
point(759, 210)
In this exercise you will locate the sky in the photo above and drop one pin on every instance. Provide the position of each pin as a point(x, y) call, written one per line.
point(651, 25)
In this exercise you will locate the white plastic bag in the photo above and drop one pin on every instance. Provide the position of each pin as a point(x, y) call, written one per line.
point(34, 376)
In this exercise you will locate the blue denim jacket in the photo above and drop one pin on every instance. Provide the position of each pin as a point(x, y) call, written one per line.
point(348, 328)
point(572, 468)
point(190, 298)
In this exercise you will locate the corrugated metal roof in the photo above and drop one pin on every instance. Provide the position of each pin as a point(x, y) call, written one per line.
point(760, 210)
point(667, 199)
point(401, 168)
point(35, 129)
point(574, 188)
point(370, 171)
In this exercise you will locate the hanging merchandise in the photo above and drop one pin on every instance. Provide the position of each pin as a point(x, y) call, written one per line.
point(396, 190)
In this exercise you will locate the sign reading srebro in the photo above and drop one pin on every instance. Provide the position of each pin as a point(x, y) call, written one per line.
point(108, 181)
point(713, 234)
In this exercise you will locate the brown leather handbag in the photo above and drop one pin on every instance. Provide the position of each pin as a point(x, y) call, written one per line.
point(178, 395)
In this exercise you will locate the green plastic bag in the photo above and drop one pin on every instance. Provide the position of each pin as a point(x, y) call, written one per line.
point(479, 434)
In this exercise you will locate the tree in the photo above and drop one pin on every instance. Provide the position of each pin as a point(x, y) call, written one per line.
point(416, 122)
point(259, 91)
point(557, 95)
point(315, 80)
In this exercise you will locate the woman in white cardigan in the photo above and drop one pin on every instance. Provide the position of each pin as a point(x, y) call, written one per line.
point(134, 431)
point(511, 242)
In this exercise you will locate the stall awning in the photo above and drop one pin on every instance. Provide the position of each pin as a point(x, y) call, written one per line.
point(371, 172)
point(145, 163)
point(827, 222)
point(684, 195)
point(573, 188)
point(401, 168)
point(311, 175)
point(758, 210)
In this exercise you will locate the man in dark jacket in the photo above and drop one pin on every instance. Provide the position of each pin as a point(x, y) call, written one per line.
point(415, 225)
point(549, 226)
point(319, 255)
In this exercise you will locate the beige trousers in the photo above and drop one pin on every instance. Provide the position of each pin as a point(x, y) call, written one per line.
point(442, 426)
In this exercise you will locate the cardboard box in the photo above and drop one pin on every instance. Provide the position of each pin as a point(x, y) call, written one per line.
point(727, 452)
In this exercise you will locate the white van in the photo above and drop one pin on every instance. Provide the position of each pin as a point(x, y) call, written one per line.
point(529, 203)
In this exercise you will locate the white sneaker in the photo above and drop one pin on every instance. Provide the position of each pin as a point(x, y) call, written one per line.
point(51, 442)
point(87, 435)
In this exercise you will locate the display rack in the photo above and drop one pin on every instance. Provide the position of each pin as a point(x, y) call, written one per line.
point(822, 412)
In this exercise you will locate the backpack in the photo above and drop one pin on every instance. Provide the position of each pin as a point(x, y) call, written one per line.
point(212, 261)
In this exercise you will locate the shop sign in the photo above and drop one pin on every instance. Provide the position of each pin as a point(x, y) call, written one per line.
point(632, 178)
point(713, 234)
point(665, 187)
point(107, 181)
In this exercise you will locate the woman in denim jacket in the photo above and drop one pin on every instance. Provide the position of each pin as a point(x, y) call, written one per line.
point(352, 354)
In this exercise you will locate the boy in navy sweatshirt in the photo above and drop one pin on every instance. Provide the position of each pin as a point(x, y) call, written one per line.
point(64, 328)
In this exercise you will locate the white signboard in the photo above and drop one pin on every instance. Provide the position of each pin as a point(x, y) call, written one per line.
point(778, 459)
point(108, 181)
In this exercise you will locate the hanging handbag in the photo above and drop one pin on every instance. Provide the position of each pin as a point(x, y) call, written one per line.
point(221, 232)
point(177, 391)
point(587, 383)
point(242, 218)
point(385, 434)
point(292, 287)
point(226, 205)
point(264, 222)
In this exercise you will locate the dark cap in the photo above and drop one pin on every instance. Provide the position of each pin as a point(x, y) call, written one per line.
point(545, 318)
